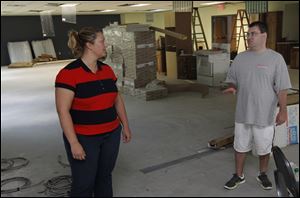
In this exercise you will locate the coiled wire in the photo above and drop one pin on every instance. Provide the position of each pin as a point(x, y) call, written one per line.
point(26, 184)
point(13, 163)
point(59, 186)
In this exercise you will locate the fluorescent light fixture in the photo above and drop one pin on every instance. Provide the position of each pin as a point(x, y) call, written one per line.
point(47, 11)
point(159, 10)
point(213, 3)
point(108, 10)
point(69, 4)
point(140, 5)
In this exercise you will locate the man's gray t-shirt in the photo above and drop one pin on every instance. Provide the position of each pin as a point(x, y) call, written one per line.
point(258, 78)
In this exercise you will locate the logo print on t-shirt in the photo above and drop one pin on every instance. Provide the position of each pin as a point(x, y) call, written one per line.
point(261, 66)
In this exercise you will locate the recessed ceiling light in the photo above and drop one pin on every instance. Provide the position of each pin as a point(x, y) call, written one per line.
point(140, 5)
point(212, 3)
point(69, 5)
point(108, 10)
point(157, 10)
point(46, 11)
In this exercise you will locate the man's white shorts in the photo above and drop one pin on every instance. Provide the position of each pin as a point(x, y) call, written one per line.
point(246, 136)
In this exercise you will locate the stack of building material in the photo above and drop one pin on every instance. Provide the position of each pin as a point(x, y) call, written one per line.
point(19, 54)
point(44, 58)
point(43, 47)
point(116, 61)
point(132, 54)
point(20, 64)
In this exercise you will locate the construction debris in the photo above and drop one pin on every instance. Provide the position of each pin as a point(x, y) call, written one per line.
point(44, 58)
point(20, 64)
point(221, 142)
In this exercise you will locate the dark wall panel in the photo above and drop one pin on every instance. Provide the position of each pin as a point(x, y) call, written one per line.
point(28, 28)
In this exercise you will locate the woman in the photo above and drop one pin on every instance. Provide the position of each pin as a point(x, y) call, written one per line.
point(90, 110)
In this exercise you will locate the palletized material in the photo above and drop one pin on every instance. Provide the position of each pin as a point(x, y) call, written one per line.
point(288, 133)
point(132, 54)
point(19, 52)
point(43, 47)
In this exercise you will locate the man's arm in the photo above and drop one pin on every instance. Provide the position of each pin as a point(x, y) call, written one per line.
point(282, 114)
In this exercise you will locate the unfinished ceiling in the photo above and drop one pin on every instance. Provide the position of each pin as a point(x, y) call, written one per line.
point(23, 8)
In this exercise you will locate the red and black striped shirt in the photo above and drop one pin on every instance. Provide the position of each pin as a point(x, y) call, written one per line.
point(92, 111)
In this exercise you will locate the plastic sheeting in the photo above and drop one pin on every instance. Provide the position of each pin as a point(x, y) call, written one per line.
point(43, 47)
point(47, 24)
point(68, 14)
point(19, 52)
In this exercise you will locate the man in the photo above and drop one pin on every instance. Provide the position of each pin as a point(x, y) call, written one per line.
point(260, 78)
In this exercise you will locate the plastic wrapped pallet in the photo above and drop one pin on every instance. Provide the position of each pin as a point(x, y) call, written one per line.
point(293, 124)
point(133, 47)
point(19, 52)
point(43, 47)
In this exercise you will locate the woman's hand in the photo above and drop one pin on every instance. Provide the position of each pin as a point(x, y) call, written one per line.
point(77, 151)
point(126, 135)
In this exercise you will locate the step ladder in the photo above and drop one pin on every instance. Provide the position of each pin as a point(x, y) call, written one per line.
point(198, 37)
point(240, 29)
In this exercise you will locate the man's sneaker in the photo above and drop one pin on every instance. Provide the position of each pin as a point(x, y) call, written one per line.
point(264, 181)
point(234, 182)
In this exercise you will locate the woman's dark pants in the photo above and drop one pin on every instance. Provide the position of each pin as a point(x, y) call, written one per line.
point(92, 176)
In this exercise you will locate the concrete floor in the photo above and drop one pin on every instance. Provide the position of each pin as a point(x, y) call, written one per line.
point(163, 130)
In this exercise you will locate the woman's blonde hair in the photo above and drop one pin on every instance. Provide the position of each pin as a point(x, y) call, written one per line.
point(77, 40)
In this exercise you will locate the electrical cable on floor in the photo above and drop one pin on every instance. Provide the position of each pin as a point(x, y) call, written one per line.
point(26, 184)
point(59, 186)
point(6, 164)
point(11, 163)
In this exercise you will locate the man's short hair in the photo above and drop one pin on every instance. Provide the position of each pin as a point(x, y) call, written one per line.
point(261, 25)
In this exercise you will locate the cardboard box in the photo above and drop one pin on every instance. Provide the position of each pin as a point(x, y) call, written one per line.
point(288, 133)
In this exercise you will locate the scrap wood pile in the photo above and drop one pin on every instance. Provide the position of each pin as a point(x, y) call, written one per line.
point(44, 58)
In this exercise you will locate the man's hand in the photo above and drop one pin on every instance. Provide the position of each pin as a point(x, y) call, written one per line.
point(281, 117)
point(230, 90)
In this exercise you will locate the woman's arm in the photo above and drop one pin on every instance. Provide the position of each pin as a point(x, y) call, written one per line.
point(63, 99)
point(120, 107)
